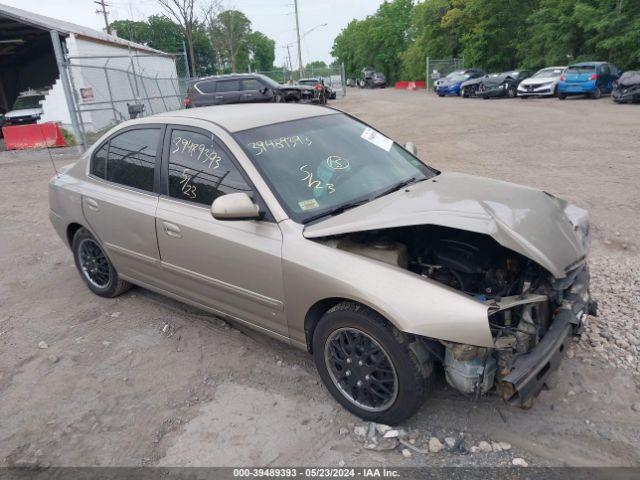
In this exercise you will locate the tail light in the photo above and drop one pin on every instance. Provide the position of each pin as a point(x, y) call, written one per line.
point(319, 87)
point(562, 78)
point(593, 77)
point(187, 102)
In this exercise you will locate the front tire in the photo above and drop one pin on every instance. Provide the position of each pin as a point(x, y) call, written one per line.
point(367, 365)
point(512, 92)
point(562, 96)
point(95, 267)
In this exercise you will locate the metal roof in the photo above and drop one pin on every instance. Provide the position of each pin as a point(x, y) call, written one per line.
point(67, 28)
point(243, 116)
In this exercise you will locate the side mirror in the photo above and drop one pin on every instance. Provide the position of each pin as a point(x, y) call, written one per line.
point(235, 206)
point(411, 148)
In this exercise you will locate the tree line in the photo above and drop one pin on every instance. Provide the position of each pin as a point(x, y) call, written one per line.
point(216, 40)
point(494, 35)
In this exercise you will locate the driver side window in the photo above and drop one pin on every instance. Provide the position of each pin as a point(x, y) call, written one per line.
point(200, 170)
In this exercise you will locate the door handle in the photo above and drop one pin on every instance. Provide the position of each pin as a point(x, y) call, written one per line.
point(92, 204)
point(171, 230)
point(219, 97)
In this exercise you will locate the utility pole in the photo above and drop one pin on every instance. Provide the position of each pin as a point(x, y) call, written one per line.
point(103, 10)
point(301, 71)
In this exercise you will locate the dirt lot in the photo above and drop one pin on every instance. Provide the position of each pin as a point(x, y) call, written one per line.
point(143, 380)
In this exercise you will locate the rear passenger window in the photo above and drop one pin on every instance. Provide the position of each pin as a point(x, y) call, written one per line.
point(199, 170)
point(228, 86)
point(131, 158)
point(206, 87)
point(251, 84)
point(99, 162)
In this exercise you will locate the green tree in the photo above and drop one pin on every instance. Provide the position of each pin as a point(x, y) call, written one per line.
point(263, 50)
point(230, 31)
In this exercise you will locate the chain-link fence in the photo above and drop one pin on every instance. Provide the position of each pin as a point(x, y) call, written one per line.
point(440, 68)
point(114, 88)
point(333, 76)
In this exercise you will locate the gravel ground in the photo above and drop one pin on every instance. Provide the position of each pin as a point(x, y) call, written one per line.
point(143, 380)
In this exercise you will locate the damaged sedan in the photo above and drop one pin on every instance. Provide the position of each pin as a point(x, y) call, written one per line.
point(311, 226)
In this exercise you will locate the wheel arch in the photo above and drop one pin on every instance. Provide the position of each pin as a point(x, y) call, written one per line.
point(72, 228)
point(318, 309)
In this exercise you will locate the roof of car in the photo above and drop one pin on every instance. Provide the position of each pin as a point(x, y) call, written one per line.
point(585, 64)
point(238, 117)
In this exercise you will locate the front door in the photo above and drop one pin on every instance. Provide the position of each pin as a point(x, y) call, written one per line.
point(233, 267)
point(121, 205)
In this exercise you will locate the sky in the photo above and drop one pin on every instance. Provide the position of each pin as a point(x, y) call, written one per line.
point(275, 18)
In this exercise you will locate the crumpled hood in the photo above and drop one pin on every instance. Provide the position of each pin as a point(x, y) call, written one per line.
point(493, 81)
point(525, 220)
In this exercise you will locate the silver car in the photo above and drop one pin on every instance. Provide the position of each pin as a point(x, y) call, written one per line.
point(309, 225)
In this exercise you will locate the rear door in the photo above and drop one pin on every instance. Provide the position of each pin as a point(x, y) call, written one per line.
point(233, 267)
point(227, 91)
point(606, 77)
point(121, 206)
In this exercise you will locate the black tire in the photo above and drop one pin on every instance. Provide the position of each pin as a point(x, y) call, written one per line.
point(409, 379)
point(596, 94)
point(562, 96)
point(107, 284)
point(512, 92)
point(464, 93)
point(441, 95)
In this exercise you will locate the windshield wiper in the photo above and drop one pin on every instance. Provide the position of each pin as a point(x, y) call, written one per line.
point(397, 186)
point(336, 210)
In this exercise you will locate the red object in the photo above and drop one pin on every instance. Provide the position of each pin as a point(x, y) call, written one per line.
point(319, 87)
point(187, 102)
point(410, 85)
point(562, 78)
point(21, 137)
point(593, 77)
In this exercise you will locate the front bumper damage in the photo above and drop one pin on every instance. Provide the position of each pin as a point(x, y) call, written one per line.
point(523, 376)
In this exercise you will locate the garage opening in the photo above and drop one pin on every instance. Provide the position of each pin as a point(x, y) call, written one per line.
point(28, 69)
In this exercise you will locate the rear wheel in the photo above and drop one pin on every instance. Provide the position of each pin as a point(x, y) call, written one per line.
point(367, 365)
point(596, 94)
point(95, 267)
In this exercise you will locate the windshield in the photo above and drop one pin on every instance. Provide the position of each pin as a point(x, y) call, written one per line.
point(459, 78)
point(32, 101)
point(455, 73)
point(321, 164)
point(308, 82)
point(548, 73)
point(581, 69)
point(269, 81)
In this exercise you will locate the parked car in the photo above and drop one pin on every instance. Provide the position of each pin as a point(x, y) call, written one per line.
point(442, 80)
point(313, 227)
point(452, 86)
point(469, 88)
point(591, 79)
point(245, 88)
point(371, 79)
point(27, 109)
point(503, 84)
point(351, 82)
point(627, 88)
point(319, 83)
point(543, 83)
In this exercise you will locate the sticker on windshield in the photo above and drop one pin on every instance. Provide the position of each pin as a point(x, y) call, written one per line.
point(377, 139)
point(308, 204)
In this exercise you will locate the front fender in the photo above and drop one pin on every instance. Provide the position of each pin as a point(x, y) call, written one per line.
point(413, 304)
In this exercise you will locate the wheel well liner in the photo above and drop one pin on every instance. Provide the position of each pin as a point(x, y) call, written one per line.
point(71, 231)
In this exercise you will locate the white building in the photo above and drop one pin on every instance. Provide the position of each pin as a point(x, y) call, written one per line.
point(90, 80)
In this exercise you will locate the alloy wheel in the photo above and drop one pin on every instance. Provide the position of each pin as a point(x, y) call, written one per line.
point(361, 369)
point(93, 263)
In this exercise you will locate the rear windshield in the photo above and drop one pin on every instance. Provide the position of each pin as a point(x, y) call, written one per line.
point(581, 69)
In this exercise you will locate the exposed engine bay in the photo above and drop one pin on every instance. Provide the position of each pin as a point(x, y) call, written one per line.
point(521, 296)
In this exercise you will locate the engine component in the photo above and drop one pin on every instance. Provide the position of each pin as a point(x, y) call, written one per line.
point(393, 253)
point(469, 375)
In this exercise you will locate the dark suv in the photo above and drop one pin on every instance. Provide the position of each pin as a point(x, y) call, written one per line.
point(245, 88)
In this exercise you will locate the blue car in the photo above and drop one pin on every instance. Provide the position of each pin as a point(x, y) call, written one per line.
point(451, 86)
point(591, 79)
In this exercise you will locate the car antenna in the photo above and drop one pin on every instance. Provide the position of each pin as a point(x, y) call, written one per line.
point(46, 144)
